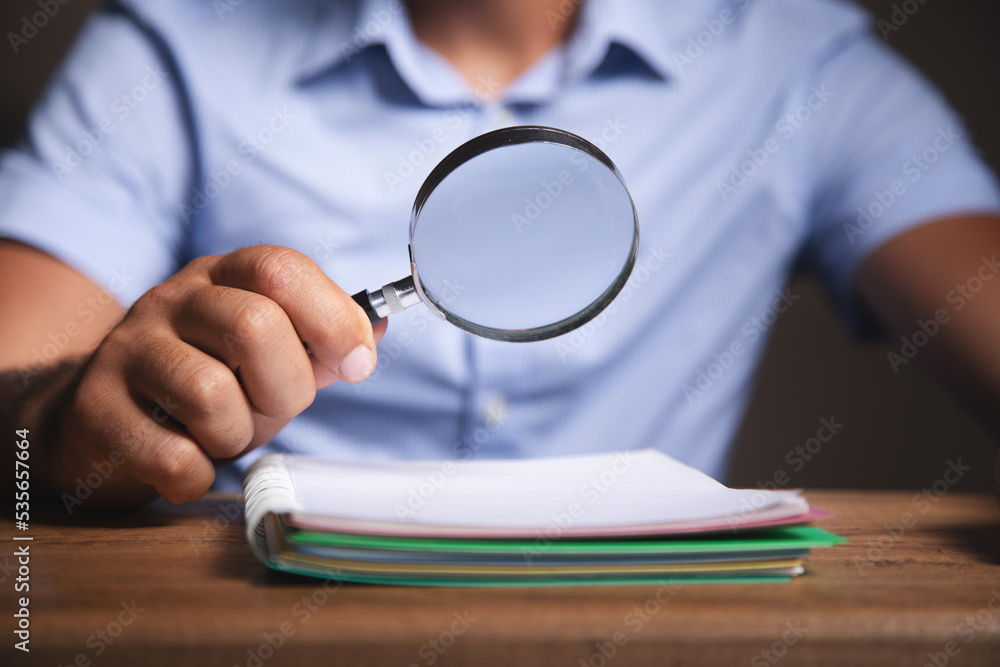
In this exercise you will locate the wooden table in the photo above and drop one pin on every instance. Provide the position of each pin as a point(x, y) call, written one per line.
point(178, 586)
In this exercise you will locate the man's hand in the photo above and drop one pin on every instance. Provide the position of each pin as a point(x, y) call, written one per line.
point(203, 367)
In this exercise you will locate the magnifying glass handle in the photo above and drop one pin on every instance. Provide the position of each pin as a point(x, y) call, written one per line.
point(391, 299)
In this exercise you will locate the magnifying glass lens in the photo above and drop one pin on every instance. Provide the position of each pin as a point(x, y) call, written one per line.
point(522, 237)
point(520, 234)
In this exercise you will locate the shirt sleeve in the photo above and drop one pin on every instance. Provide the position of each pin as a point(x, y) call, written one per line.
point(99, 176)
point(887, 155)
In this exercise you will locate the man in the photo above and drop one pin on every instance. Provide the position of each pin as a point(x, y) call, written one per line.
point(224, 169)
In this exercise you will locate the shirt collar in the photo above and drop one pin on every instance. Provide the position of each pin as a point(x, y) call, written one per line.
point(342, 30)
point(653, 30)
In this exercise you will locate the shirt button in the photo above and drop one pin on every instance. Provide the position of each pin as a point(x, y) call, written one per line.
point(495, 411)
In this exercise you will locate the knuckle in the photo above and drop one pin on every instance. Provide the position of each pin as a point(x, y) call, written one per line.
point(209, 390)
point(280, 269)
point(156, 305)
point(177, 467)
point(227, 436)
point(258, 319)
point(147, 356)
point(159, 298)
point(201, 265)
point(230, 441)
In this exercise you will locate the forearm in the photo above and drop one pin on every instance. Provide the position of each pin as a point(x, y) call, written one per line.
point(937, 289)
point(30, 401)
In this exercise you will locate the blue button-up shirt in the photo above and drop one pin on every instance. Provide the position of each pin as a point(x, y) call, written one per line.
point(754, 136)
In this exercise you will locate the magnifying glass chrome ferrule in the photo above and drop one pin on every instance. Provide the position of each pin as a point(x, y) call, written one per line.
point(520, 234)
point(390, 299)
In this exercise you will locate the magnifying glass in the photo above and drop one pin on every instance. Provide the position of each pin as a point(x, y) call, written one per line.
point(520, 234)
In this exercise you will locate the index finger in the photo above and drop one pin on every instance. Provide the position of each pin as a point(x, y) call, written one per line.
point(333, 327)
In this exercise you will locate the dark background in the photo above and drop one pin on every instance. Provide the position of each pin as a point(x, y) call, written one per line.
point(900, 430)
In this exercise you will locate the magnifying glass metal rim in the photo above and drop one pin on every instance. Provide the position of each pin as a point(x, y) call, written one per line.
point(395, 297)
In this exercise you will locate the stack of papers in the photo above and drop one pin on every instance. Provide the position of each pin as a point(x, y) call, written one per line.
point(617, 518)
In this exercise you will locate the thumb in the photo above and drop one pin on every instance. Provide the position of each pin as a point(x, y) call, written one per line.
point(325, 377)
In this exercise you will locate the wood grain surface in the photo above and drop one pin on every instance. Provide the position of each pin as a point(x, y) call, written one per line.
point(918, 584)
